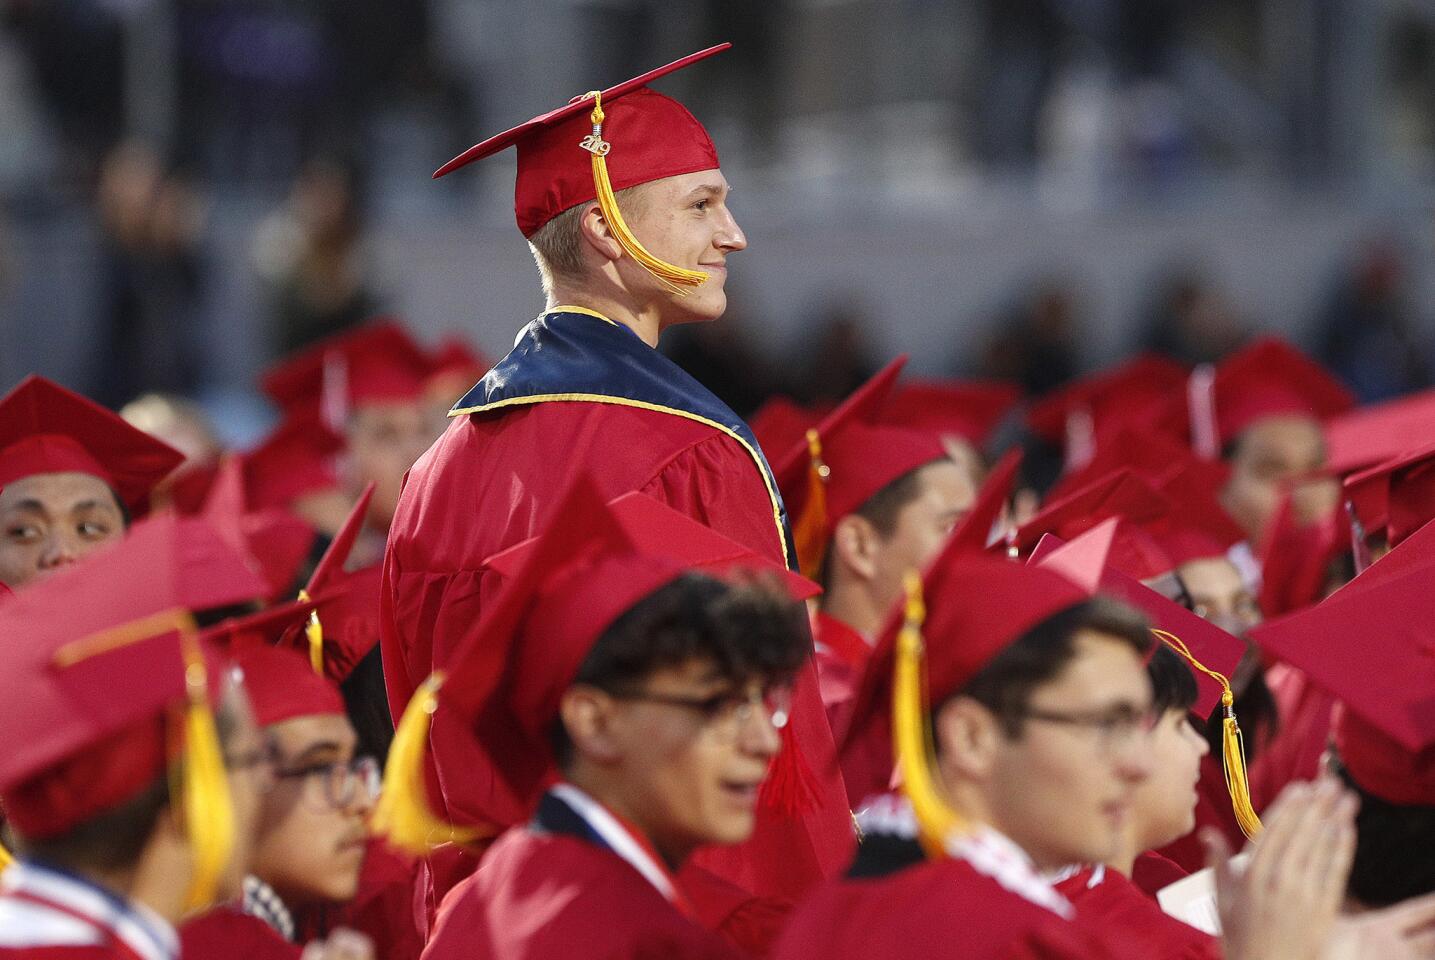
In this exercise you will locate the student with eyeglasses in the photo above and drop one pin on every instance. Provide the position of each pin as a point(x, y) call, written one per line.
point(312, 835)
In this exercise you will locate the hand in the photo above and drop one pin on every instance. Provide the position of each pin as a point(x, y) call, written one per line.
point(1405, 931)
point(1284, 905)
point(343, 944)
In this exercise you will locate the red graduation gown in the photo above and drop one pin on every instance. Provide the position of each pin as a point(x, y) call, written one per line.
point(1153, 873)
point(841, 654)
point(543, 896)
point(385, 908)
point(492, 481)
point(936, 910)
point(226, 933)
point(1106, 901)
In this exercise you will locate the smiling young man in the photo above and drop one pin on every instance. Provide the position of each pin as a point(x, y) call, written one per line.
point(71, 474)
point(628, 706)
point(623, 202)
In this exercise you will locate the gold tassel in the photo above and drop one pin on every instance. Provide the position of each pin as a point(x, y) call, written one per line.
point(809, 531)
point(6, 858)
point(203, 786)
point(675, 279)
point(403, 814)
point(314, 633)
point(911, 733)
point(1233, 747)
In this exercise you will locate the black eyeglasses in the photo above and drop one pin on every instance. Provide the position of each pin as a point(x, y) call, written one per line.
point(1113, 729)
point(728, 712)
point(344, 783)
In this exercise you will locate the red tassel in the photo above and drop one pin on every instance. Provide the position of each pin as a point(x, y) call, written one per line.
point(791, 787)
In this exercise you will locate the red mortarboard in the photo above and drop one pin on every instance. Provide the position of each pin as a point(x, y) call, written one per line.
point(780, 423)
point(297, 458)
point(1386, 680)
point(652, 137)
point(275, 541)
point(45, 428)
point(1099, 405)
point(1397, 496)
point(970, 410)
point(345, 624)
point(455, 357)
point(281, 686)
point(1119, 494)
point(1085, 560)
point(976, 606)
point(1369, 435)
point(374, 363)
point(1267, 378)
point(846, 460)
point(1295, 559)
point(974, 531)
point(83, 699)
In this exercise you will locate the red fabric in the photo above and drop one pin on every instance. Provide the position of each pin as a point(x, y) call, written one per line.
point(375, 363)
point(282, 685)
point(841, 654)
point(226, 933)
point(491, 482)
point(1153, 873)
point(935, 910)
point(383, 909)
point(540, 896)
point(1294, 753)
point(751, 924)
point(1108, 901)
point(1383, 767)
point(109, 951)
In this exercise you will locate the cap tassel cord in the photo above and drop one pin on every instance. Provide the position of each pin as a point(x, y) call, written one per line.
point(6, 858)
point(314, 633)
point(790, 787)
point(675, 279)
point(403, 814)
point(1233, 747)
point(809, 532)
point(203, 784)
point(912, 746)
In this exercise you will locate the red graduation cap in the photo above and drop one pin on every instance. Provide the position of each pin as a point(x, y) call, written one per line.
point(780, 423)
point(976, 605)
point(45, 428)
point(560, 591)
point(376, 363)
point(975, 530)
point(1267, 378)
point(1076, 415)
point(1386, 681)
point(1295, 559)
point(844, 461)
point(1367, 436)
point(454, 367)
point(1396, 497)
point(1119, 494)
point(281, 686)
point(651, 136)
point(971, 409)
point(275, 541)
point(84, 699)
point(296, 459)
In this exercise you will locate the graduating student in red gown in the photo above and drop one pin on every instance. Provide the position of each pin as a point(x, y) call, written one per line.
point(111, 675)
point(584, 390)
point(635, 705)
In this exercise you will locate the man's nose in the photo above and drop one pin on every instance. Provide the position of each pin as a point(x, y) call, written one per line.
point(730, 237)
point(61, 549)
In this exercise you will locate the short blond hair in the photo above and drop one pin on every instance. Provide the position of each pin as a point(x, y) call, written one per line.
point(558, 245)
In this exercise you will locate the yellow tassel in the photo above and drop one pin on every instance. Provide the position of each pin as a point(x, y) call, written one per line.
point(6, 858)
point(911, 732)
point(809, 531)
point(675, 279)
point(403, 814)
point(204, 785)
point(1233, 747)
point(314, 633)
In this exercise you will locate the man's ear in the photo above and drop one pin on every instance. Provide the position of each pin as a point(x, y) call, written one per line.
point(587, 715)
point(855, 543)
point(597, 233)
point(969, 737)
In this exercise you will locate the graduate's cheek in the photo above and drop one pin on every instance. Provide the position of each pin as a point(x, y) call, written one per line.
point(1164, 806)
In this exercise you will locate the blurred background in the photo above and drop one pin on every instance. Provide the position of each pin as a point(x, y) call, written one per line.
point(1010, 188)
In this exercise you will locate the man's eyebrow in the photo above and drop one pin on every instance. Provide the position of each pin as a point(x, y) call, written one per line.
point(316, 749)
point(708, 189)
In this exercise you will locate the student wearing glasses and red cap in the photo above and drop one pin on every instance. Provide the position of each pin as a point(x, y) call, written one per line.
point(72, 474)
point(623, 202)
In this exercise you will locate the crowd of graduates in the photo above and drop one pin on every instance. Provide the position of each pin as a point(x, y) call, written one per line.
point(557, 656)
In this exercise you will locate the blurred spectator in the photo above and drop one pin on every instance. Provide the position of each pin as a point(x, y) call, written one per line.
point(839, 356)
point(1368, 335)
point(1023, 49)
point(1189, 321)
point(1035, 345)
point(185, 426)
point(722, 357)
point(152, 271)
point(310, 255)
